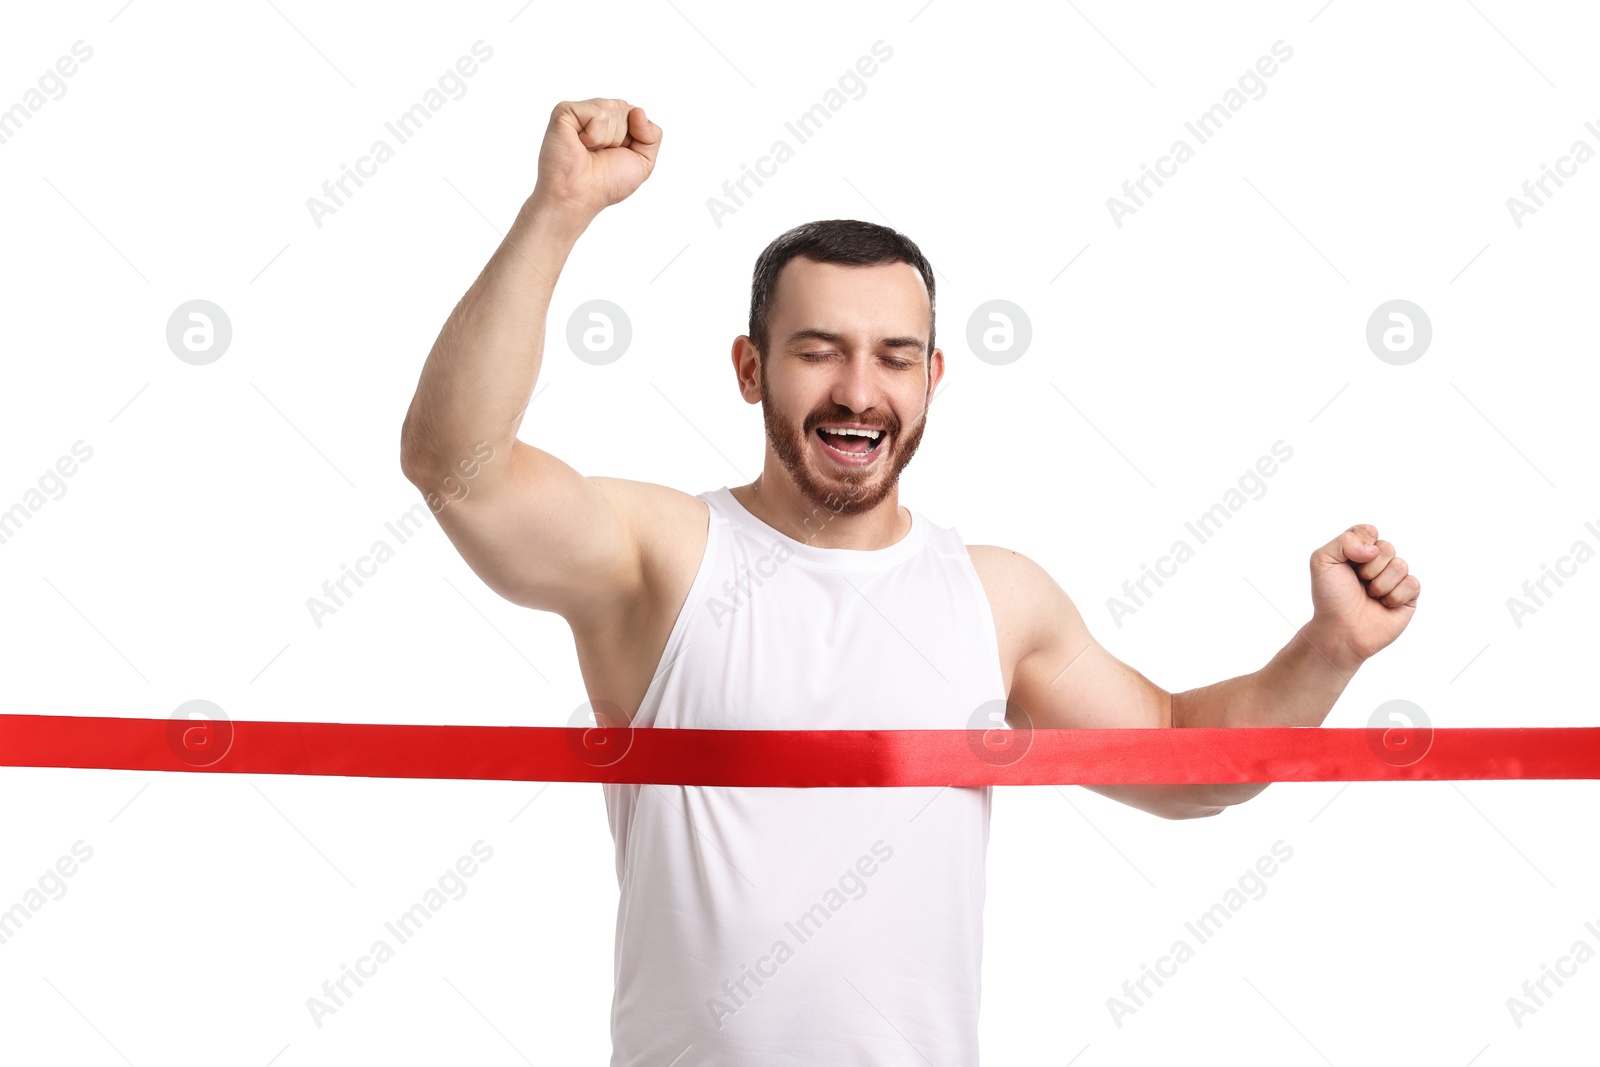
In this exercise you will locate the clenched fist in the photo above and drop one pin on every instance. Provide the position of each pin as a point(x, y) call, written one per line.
point(1362, 594)
point(595, 154)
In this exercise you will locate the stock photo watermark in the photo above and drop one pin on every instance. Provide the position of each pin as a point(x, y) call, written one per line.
point(748, 577)
point(803, 127)
point(199, 332)
point(1537, 591)
point(599, 332)
point(999, 332)
point(338, 591)
point(402, 528)
point(1202, 128)
point(52, 86)
point(1136, 592)
point(1537, 190)
point(999, 744)
point(451, 885)
point(51, 484)
point(336, 192)
point(1399, 733)
point(199, 733)
point(735, 993)
point(1399, 332)
point(51, 885)
point(1252, 885)
point(1536, 991)
point(597, 745)
point(455, 489)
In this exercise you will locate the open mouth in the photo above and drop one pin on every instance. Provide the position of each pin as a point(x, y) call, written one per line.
point(851, 446)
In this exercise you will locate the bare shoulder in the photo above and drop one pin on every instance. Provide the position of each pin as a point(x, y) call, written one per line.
point(1029, 607)
point(645, 497)
point(1005, 571)
point(668, 525)
point(1017, 586)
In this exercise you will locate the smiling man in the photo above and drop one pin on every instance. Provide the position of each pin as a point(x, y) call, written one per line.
point(784, 927)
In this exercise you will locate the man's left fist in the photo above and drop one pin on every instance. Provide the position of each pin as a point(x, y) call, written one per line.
point(1362, 594)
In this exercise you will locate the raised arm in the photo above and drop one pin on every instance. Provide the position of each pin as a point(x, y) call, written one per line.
point(530, 526)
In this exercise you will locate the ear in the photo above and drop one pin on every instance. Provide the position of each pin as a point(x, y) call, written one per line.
point(747, 368)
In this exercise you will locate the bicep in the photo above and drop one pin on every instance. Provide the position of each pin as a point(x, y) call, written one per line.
point(1066, 679)
point(543, 536)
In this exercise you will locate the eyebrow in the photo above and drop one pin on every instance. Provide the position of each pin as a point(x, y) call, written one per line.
point(814, 334)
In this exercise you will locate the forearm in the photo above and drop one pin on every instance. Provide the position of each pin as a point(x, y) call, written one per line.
point(1298, 687)
point(480, 373)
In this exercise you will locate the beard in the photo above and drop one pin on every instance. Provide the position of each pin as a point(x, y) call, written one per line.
point(842, 490)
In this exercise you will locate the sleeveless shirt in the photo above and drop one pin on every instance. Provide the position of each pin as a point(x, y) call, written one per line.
point(791, 927)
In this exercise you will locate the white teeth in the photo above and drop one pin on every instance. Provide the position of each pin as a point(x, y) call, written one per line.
point(874, 434)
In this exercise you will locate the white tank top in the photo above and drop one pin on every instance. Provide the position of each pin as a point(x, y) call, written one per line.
point(788, 927)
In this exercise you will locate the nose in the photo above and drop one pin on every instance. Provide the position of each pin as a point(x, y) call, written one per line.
point(853, 386)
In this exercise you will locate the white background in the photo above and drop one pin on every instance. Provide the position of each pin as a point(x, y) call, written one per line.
point(1227, 313)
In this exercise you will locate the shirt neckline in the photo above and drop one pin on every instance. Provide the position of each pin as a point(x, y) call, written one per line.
point(831, 558)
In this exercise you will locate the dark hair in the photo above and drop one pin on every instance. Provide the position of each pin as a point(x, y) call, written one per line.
point(861, 244)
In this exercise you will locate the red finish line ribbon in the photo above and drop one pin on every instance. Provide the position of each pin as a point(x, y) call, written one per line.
point(802, 758)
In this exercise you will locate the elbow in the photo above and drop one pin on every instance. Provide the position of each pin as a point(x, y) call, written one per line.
point(415, 457)
point(412, 467)
point(1204, 801)
point(1192, 811)
point(435, 455)
point(1207, 800)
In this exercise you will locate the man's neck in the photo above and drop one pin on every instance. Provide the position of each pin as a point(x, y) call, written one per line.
point(777, 501)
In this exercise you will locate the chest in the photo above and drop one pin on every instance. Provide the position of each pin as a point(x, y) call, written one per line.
point(769, 643)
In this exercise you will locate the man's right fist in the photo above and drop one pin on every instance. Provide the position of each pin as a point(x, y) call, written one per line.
point(595, 154)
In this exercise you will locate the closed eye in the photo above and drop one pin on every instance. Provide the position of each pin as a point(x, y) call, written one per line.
point(814, 357)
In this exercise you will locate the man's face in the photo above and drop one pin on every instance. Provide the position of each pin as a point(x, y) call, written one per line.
point(847, 348)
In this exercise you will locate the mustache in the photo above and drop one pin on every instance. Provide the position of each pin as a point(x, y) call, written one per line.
point(818, 418)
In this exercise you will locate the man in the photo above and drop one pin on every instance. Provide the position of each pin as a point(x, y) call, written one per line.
point(805, 926)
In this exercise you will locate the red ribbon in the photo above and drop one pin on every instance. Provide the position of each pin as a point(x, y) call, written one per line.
point(802, 758)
